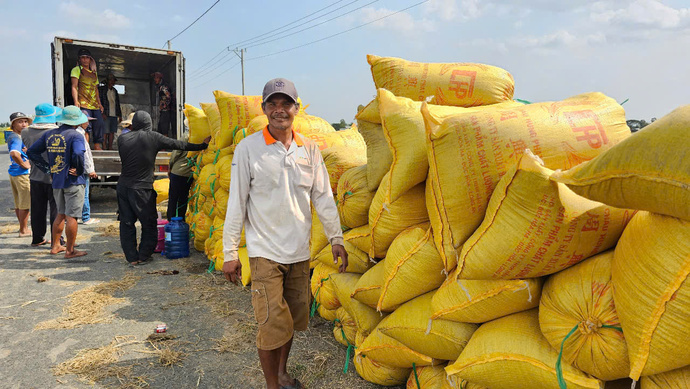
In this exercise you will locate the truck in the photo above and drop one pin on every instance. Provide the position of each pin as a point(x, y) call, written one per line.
point(133, 67)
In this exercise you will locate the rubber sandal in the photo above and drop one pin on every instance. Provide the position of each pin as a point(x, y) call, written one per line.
point(40, 244)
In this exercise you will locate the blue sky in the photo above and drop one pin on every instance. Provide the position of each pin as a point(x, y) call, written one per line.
point(636, 50)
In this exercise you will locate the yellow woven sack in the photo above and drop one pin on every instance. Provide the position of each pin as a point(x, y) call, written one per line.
point(674, 379)
point(369, 113)
point(535, 227)
point(210, 249)
point(349, 138)
point(434, 377)
point(368, 288)
point(223, 170)
point(212, 156)
point(403, 128)
point(240, 134)
point(318, 239)
point(357, 260)
point(510, 352)
point(469, 153)
point(366, 317)
point(235, 111)
point(327, 314)
point(411, 325)
point(353, 197)
point(220, 202)
point(340, 159)
point(459, 84)
point(199, 128)
point(207, 180)
point(380, 374)
point(379, 156)
point(345, 328)
point(650, 272)
point(412, 267)
point(202, 227)
point(322, 288)
point(213, 116)
point(388, 220)
point(360, 237)
point(208, 208)
point(161, 187)
point(580, 300)
point(309, 124)
point(648, 171)
point(255, 125)
point(389, 351)
point(479, 301)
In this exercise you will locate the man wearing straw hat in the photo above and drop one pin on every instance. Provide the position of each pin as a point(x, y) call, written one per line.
point(19, 170)
point(66, 148)
point(276, 175)
point(40, 181)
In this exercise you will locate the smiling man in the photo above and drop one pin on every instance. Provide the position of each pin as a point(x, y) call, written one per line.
point(276, 175)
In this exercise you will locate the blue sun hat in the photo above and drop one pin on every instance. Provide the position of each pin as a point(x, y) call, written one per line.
point(47, 113)
point(73, 116)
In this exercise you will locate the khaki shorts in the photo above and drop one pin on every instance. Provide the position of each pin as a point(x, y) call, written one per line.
point(70, 200)
point(20, 191)
point(280, 296)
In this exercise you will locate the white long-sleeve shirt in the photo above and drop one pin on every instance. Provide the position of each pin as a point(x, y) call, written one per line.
point(271, 190)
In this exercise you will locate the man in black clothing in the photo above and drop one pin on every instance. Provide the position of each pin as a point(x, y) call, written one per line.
point(136, 198)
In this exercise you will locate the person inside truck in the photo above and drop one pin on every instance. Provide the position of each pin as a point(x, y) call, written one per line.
point(136, 198)
point(164, 104)
point(19, 170)
point(112, 113)
point(86, 97)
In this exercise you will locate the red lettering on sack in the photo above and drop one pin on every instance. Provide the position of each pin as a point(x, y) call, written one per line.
point(462, 83)
point(588, 124)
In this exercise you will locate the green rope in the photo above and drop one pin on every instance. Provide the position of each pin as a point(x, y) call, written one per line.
point(216, 157)
point(210, 234)
point(350, 346)
point(211, 267)
point(416, 378)
point(315, 305)
point(523, 101)
point(233, 133)
point(349, 193)
point(624, 101)
point(559, 369)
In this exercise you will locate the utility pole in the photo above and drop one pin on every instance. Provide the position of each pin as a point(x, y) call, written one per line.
point(168, 45)
point(241, 55)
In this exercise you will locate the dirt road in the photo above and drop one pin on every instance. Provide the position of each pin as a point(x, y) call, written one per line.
point(53, 310)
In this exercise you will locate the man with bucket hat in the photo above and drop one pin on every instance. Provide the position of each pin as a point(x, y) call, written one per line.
point(66, 149)
point(277, 175)
point(19, 170)
point(84, 78)
point(40, 182)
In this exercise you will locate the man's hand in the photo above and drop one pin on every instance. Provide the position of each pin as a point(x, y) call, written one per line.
point(232, 271)
point(338, 252)
point(72, 171)
point(76, 104)
point(92, 175)
point(100, 106)
point(207, 140)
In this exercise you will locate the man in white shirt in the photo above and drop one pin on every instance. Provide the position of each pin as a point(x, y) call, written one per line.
point(277, 175)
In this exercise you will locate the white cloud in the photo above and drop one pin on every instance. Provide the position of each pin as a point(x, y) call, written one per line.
point(107, 18)
point(642, 13)
point(177, 18)
point(400, 22)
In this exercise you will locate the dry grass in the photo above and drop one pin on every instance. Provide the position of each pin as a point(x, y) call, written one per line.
point(167, 354)
point(91, 365)
point(9, 228)
point(239, 338)
point(215, 291)
point(42, 279)
point(87, 306)
point(112, 229)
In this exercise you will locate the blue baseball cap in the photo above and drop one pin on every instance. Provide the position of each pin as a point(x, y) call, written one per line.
point(47, 113)
point(73, 116)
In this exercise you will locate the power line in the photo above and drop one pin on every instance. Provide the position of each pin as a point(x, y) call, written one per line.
point(269, 32)
point(340, 33)
point(310, 27)
point(218, 75)
point(211, 67)
point(197, 19)
point(295, 21)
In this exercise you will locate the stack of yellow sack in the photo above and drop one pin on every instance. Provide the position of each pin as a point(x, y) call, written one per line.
point(489, 237)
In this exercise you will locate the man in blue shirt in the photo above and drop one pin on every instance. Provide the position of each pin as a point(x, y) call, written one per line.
point(19, 170)
point(66, 148)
